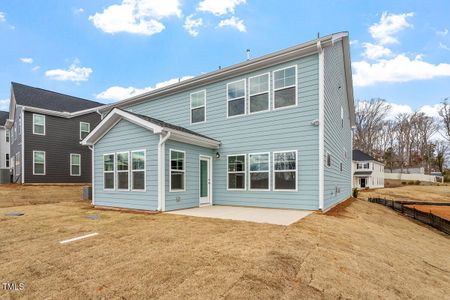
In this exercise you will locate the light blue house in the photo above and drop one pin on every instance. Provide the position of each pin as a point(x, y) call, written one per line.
point(270, 132)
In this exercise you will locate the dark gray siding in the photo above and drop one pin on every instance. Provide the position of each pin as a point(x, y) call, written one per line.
point(16, 144)
point(62, 137)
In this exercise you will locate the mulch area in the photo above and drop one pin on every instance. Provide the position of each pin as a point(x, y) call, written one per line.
point(340, 209)
point(442, 211)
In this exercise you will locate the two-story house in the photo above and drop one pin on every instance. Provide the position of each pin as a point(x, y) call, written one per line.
point(367, 171)
point(4, 141)
point(45, 133)
point(274, 131)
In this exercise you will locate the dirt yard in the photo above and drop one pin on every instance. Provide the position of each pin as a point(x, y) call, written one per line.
point(437, 210)
point(359, 251)
point(428, 193)
point(16, 194)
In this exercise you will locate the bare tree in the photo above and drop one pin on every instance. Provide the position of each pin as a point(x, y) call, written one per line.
point(441, 149)
point(444, 113)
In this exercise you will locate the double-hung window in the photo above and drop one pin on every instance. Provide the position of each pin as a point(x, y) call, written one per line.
point(259, 93)
point(75, 164)
point(108, 171)
point(236, 98)
point(285, 170)
point(7, 160)
point(236, 172)
point(85, 128)
point(259, 171)
point(198, 107)
point(38, 162)
point(285, 87)
point(7, 136)
point(138, 170)
point(122, 164)
point(38, 124)
point(177, 170)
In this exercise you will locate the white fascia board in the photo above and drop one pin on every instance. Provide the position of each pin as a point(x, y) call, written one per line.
point(188, 138)
point(66, 115)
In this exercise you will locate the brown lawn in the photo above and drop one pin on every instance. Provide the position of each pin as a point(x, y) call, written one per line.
point(428, 193)
point(442, 211)
point(360, 251)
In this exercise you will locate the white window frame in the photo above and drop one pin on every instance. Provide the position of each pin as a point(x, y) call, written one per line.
point(281, 171)
point(113, 171)
point(7, 160)
point(245, 98)
point(45, 163)
point(7, 136)
point(72, 164)
point(250, 172)
point(238, 172)
point(326, 160)
point(122, 171)
point(34, 124)
point(89, 125)
point(145, 171)
point(192, 108)
point(250, 94)
point(175, 170)
point(294, 85)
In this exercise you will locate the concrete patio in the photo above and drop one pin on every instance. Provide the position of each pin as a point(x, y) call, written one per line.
point(251, 214)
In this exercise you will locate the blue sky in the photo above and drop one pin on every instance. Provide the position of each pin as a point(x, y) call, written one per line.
point(110, 49)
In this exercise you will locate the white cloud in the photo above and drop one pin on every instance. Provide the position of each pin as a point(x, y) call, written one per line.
point(27, 60)
point(116, 93)
point(78, 10)
point(354, 42)
point(219, 7)
point(4, 104)
point(397, 109)
point(74, 73)
point(443, 46)
point(376, 51)
point(35, 68)
point(191, 25)
point(234, 23)
point(431, 110)
point(390, 24)
point(136, 16)
point(442, 32)
point(2, 17)
point(398, 69)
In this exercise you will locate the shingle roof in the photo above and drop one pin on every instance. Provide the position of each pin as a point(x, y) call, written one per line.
point(362, 173)
point(3, 117)
point(167, 125)
point(36, 97)
point(361, 156)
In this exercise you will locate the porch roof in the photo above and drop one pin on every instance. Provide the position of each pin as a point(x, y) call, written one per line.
point(362, 173)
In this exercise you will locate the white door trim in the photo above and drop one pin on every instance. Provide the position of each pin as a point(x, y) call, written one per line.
point(209, 160)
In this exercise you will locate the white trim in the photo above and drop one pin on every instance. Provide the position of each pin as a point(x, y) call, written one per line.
point(250, 172)
point(183, 171)
point(209, 159)
point(122, 171)
point(321, 125)
point(34, 124)
point(233, 99)
point(191, 108)
point(66, 115)
point(22, 159)
point(282, 171)
point(162, 171)
point(71, 164)
point(45, 163)
point(237, 172)
point(92, 148)
point(257, 94)
point(145, 171)
point(295, 85)
point(113, 171)
point(81, 131)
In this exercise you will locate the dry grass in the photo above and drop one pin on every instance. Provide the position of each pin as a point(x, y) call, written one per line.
point(442, 211)
point(16, 194)
point(361, 251)
point(411, 192)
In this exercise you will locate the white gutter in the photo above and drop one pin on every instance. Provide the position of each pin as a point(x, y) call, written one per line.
point(22, 133)
point(93, 172)
point(321, 124)
point(161, 171)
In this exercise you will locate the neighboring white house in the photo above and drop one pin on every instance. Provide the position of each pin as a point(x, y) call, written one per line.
point(4, 141)
point(367, 171)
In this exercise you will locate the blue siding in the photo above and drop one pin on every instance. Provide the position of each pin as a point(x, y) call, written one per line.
point(336, 138)
point(125, 136)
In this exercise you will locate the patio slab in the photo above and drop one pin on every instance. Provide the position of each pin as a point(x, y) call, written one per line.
point(251, 214)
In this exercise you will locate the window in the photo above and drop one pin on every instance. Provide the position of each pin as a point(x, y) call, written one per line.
point(367, 166)
point(198, 107)
point(285, 87)
point(236, 98)
point(340, 167)
point(85, 128)
point(177, 171)
point(38, 124)
point(345, 153)
point(285, 171)
point(342, 117)
point(138, 170)
point(75, 164)
point(236, 172)
point(108, 171)
point(122, 166)
point(259, 93)
point(259, 171)
point(328, 159)
point(38, 162)
point(7, 160)
point(7, 136)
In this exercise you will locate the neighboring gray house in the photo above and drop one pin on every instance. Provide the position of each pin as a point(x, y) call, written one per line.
point(45, 132)
point(4, 141)
point(272, 132)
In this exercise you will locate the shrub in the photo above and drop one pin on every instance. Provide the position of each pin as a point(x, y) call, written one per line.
point(403, 182)
point(355, 192)
point(410, 182)
point(417, 182)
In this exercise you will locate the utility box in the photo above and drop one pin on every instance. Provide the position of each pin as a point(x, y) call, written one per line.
point(5, 176)
point(87, 193)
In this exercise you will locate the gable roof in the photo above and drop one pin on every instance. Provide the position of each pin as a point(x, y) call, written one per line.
point(39, 98)
point(358, 155)
point(4, 115)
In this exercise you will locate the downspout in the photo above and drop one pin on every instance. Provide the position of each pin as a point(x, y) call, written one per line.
point(93, 173)
point(321, 124)
point(161, 171)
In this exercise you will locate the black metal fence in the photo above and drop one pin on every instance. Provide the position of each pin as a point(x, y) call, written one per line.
point(424, 217)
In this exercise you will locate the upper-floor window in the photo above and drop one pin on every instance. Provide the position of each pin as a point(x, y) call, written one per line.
point(177, 171)
point(328, 159)
point(38, 162)
point(198, 107)
point(75, 164)
point(85, 128)
point(285, 87)
point(259, 93)
point(236, 98)
point(7, 136)
point(38, 124)
point(362, 166)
